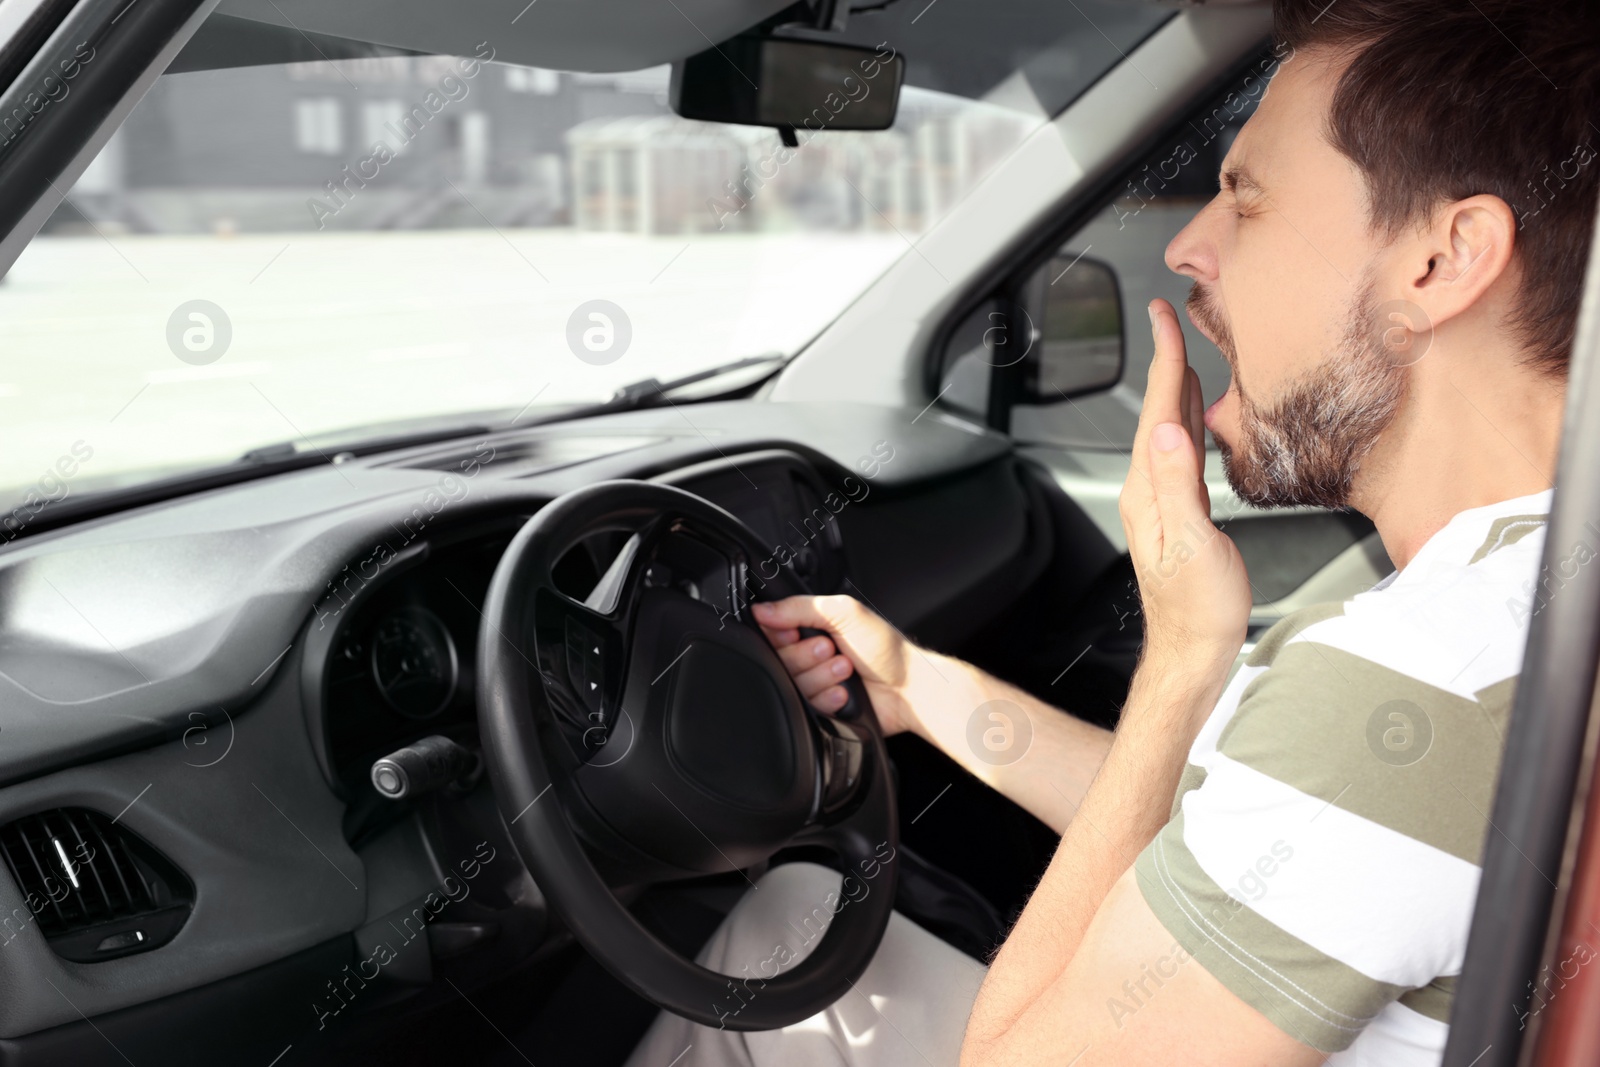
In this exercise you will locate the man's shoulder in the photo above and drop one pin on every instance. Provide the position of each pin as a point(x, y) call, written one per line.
point(1391, 707)
point(1459, 628)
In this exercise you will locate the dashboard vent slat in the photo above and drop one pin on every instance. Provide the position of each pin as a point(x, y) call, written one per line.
point(44, 878)
point(58, 855)
point(96, 889)
point(127, 894)
point(121, 843)
point(81, 849)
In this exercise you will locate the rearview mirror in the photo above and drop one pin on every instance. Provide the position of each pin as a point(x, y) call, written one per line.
point(789, 83)
point(1076, 305)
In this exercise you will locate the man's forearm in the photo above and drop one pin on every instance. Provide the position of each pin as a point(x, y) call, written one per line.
point(1124, 807)
point(1043, 762)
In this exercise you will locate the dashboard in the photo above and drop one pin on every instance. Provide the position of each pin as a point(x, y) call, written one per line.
point(205, 683)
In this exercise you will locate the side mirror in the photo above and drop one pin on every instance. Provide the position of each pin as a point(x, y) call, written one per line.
point(1075, 305)
point(789, 83)
point(1035, 345)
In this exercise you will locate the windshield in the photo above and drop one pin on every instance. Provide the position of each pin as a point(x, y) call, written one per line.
point(314, 253)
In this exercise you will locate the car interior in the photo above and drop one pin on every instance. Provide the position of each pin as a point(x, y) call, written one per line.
point(297, 567)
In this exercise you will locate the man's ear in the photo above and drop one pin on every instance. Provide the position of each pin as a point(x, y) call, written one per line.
point(1458, 258)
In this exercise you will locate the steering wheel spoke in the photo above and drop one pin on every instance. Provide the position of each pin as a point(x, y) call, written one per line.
point(585, 645)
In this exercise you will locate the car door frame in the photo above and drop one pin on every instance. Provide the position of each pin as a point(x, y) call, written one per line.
point(1546, 773)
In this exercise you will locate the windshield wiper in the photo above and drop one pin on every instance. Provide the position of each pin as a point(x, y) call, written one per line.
point(327, 448)
point(284, 456)
point(648, 392)
point(640, 394)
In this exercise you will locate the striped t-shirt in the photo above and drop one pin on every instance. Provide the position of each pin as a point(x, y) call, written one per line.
point(1324, 849)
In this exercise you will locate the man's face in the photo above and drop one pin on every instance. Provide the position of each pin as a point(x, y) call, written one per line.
point(1287, 286)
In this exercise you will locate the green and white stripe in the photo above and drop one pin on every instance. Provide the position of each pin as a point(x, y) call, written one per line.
point(1323, 856)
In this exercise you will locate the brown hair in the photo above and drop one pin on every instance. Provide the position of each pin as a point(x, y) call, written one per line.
point(1444, 99)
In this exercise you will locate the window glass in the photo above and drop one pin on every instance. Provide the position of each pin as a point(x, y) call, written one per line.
point(296, 256)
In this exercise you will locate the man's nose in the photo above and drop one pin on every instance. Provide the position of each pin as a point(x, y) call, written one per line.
point(1193, 252)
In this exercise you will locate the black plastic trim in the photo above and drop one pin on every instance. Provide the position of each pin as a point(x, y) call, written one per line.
point(34, 31)
point(798, 467)
point(107, 45)
point(117, 883)
point(247, 1018)
point(321, 640)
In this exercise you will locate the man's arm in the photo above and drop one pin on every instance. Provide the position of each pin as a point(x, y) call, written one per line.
point(1089, 975)
point(1121, 812)
point(1043, 761)
point(1132, 995)
point(1086, 928)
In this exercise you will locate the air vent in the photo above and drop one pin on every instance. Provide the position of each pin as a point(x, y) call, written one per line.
point(96, 890)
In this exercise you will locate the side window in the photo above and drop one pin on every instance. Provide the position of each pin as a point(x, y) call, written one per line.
point(1076, 313)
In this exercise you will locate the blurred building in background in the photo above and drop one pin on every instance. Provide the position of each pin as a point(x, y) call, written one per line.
point(669, 175)
point(400, 143)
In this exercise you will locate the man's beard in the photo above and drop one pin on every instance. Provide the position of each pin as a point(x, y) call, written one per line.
point(1305, 448)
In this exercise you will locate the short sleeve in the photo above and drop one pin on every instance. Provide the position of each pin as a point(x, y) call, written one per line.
point(1326, 864)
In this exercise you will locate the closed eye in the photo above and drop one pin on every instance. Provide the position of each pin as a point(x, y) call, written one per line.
point(1244, 189)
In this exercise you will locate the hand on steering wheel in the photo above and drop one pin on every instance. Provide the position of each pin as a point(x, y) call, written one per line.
point(823, 640)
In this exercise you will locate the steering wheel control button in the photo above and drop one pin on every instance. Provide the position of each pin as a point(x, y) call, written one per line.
point(421, 767)
point(586, 670)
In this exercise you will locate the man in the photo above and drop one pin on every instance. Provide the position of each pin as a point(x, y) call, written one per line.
point(1281, 868)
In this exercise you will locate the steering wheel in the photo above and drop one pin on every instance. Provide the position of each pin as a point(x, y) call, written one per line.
point(649, 732)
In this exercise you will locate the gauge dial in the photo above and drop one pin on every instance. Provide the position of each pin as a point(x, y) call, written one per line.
point(414, 662)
